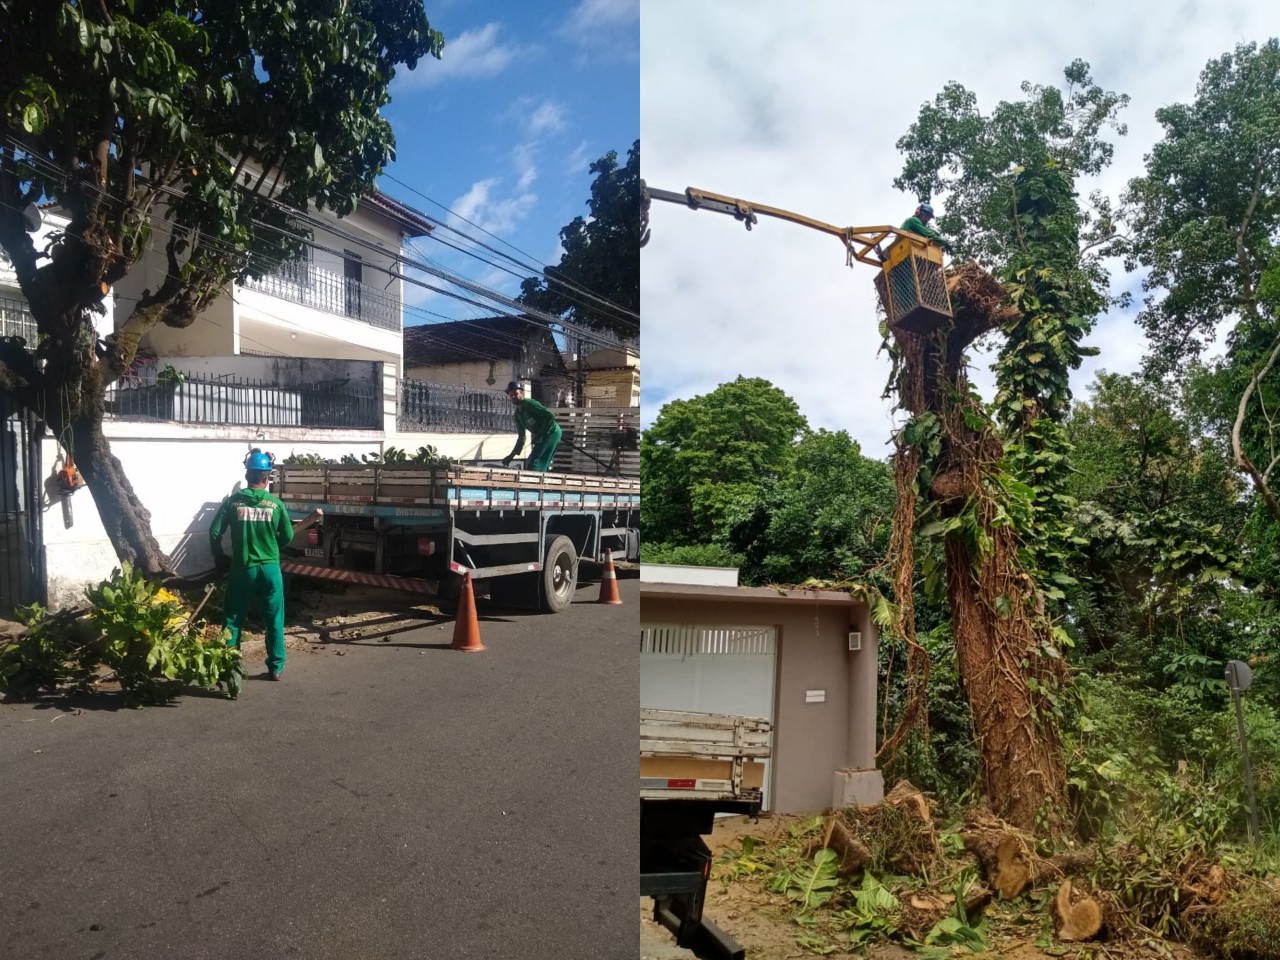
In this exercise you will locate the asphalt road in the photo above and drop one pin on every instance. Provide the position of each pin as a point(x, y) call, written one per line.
point(400, 800)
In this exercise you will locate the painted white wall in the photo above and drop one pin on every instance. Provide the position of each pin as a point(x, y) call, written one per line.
point(182, 472)
point(679, 573)
point(266, 323)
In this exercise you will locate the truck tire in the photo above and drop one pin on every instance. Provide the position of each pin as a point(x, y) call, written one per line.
point(559, 575)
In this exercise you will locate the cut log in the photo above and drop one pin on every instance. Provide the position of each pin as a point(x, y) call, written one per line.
point(1079, 918)
point(1007, 858)
point(1013, 867)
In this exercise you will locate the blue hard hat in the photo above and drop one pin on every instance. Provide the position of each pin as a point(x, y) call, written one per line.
point(257, 460)
point(926, 208)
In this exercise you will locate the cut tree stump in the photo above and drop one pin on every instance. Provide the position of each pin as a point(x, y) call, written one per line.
point(901, 825)
point(854, 855)
point(1079, 918)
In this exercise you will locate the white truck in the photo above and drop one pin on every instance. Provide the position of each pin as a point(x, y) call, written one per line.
point(693, 766)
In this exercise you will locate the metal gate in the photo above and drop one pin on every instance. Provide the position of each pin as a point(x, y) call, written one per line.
point(22, 578)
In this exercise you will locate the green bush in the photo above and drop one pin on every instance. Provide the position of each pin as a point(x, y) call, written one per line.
point(691, 555)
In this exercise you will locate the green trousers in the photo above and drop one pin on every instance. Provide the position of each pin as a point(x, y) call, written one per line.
point(263, 584)
point(544, 451)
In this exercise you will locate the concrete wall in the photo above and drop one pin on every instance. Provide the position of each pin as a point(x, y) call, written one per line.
point(474, 376)
point(268, 324)
point(812, 741)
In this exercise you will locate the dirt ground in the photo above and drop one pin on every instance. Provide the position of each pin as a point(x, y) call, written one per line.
point(760, 922)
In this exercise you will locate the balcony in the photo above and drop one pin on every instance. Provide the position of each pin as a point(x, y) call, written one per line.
point(16, 321)
point(311, 286)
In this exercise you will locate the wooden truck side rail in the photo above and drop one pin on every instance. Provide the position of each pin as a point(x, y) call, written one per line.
point(413, 527)
point(702, 756)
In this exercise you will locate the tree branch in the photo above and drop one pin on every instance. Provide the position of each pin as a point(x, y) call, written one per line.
point(1237, 445)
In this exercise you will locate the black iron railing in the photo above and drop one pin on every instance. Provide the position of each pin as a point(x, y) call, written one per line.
point(16, 321)
point(311, 286)
point(450, 409)
point(353, 404)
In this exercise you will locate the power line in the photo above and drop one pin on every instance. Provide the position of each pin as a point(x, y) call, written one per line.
point(542, 269)
point(526, 313)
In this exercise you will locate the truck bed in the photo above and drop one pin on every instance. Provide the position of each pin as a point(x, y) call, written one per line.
point(393, 491)
point(702, 756)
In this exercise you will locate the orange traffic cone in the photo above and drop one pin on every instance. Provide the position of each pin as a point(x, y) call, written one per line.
point(609, 582)
point(466, 625)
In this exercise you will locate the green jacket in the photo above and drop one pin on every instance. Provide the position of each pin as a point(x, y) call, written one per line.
point(914, 224)
point(260, 526)
point(534, 417)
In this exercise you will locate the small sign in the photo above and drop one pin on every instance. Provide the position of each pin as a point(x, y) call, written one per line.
point(815, 696)
point(1239, 676)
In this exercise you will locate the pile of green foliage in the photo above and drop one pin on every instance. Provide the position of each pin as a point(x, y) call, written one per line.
point(393, 456)
point(137, 630)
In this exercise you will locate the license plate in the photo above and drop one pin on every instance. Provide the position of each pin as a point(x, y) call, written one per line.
point(315, 551)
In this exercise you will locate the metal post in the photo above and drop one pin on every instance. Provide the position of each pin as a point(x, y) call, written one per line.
point(1248, 773)
point(1239, 676)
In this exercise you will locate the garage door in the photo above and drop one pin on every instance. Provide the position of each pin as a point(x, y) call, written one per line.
point(709, 669)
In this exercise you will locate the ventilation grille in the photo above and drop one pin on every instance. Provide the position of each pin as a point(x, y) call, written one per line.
point(685, 640)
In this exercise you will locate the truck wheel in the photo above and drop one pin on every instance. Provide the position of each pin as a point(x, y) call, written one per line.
point(559, 575)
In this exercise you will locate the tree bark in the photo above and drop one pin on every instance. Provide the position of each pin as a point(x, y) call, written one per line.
point(1000, 638)
point(126, 520)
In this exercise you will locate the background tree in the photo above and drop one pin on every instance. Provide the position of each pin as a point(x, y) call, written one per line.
point(601, 254)
point(1206, 223)
point(826, 518)
point(186, 125)
point(704, 460)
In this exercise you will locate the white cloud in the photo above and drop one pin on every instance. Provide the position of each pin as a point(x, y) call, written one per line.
point(497, 215)
point(547, 118)
point(580, 159)
point(604, 29)
point(472, 53)
point(528, 170)
point(737, 100)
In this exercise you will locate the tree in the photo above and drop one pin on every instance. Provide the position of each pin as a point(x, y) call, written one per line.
point(192, 124)
point(825, 518)
point(1161, 514)
point(601, 255)
point(1206, 223)
point(704, 460)
point(994, 517)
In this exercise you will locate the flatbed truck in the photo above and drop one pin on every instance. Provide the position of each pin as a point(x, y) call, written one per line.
point(421, 529)
point(693, 766)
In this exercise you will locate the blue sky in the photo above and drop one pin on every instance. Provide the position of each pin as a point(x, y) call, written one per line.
point(504, 128)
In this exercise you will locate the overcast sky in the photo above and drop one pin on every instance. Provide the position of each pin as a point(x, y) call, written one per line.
point(799, 106)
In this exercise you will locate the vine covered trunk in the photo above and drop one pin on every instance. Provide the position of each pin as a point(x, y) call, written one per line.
point(1004, 645)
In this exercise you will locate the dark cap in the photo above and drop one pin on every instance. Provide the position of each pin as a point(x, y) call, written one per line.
point(513, 385)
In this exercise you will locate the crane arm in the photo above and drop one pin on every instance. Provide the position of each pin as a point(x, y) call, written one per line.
point(861, 243)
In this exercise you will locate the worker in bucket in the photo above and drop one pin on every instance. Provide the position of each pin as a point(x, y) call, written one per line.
point(260, 526)
point(544, 432)
point(918, 223)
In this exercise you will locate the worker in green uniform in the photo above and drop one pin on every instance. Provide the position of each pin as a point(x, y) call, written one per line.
point(260, 526)
point(918, 223)
point(544, 432)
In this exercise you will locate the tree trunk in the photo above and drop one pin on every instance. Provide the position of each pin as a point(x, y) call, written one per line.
point(1000, 639)
point(126, 520)
point(1020, 750)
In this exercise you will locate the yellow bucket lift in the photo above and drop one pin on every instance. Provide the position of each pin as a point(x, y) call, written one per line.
point(911, 282)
